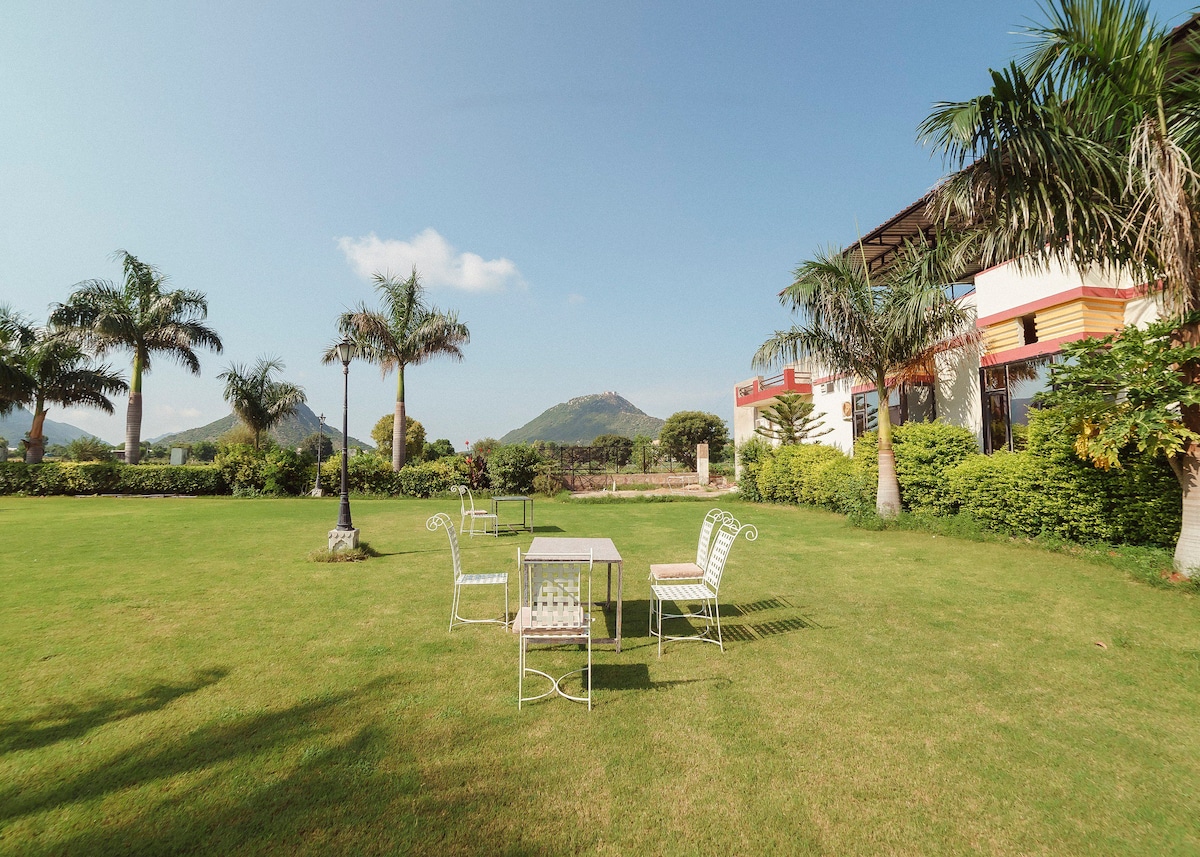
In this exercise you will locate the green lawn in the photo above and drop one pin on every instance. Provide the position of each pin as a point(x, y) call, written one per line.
point(177, 678)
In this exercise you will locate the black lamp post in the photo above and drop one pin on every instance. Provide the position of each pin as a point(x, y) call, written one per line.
point(345, 350)
point(320, 443)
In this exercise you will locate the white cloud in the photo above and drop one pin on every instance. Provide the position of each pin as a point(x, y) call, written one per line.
point(438, 263)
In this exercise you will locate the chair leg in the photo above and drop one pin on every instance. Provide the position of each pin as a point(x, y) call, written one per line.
point(454, 607)
point(521, 673)
point(660, 612)
point(716, 608)
point(589, 687)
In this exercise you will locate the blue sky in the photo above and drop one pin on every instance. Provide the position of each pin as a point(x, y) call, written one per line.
point(611, 195)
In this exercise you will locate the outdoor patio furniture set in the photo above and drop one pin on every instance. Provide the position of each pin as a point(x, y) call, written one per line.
point(556, 590)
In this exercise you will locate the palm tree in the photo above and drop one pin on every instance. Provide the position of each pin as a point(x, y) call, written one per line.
point(1083, 154)
point(144, 318)
point(257, 398)
point(16, 334)
point(886, 331)
point(407, 332)
point(62, 374)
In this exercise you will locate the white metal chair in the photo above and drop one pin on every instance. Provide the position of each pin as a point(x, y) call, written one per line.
point(676, 571)
point(559, 607)
point(441, 519)
point(704, 593)
point(472, 514)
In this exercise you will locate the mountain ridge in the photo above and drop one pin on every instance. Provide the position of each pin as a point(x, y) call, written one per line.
point(290, 432)
point(584, 418)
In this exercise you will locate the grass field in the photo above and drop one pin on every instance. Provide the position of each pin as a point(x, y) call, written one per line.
point(177, 678)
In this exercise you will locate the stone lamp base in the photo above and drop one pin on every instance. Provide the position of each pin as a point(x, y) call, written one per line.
point(340, 540)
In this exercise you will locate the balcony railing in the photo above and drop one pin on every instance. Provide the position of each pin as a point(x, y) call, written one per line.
point(787, 381)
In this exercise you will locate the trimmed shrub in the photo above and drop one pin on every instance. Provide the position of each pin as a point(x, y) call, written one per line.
point(924, 452)
point(203, 479)
point(241, 466)
point(15, 478)
point(285, 473)
point(432, 477)
point(512, 468)
point(751, 455)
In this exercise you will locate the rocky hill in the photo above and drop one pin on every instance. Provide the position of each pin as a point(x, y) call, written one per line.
point(291, 432)
point(583, 419)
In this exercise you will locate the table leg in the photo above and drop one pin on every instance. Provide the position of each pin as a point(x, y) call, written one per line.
point(620, 575)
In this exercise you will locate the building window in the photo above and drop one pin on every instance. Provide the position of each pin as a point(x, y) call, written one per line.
point(1029, 329)
point(907, 403)
point(1008, 392)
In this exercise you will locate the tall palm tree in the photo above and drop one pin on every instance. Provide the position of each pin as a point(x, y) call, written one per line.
point(407, 332)
point(143, 317)
point(16, 334)
point(1084, 153)
point(886, 330)
point(62, 374)
point(257, 398)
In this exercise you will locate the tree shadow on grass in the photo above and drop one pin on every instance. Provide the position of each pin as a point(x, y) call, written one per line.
point(375, 790)
point(61, 722)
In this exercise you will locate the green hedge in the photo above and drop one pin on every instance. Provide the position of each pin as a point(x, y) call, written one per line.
point(68, 477)
point(1043, 490)
point(433, 477)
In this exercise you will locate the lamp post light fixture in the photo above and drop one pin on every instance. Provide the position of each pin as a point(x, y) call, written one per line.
point(317, 492)
point(345, 535)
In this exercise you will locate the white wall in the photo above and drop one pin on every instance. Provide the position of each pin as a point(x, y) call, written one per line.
point(1001, 289)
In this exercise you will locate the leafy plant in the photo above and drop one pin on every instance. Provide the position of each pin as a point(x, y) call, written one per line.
point(790, 420)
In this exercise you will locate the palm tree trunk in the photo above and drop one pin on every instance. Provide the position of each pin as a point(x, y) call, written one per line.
point(35, 449)
point(133, 414)
point(399, 452)
point(887, 495)
point(1187, 549)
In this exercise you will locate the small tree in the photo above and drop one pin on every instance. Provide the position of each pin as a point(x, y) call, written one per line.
point(789, 420)
point(683, 431)
point(204, 450)
point(89, 449)
point(414, 437)
point(310, 444)
point(617, 447)
point(440, 448)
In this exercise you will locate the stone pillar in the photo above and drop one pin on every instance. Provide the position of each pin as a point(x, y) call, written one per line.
point(702, 463)
point(343, 539)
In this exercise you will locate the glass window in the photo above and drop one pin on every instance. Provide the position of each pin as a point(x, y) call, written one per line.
point(1008, 393)
point(907, 403)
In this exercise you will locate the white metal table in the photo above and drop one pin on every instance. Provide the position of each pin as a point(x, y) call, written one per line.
point(602, 550)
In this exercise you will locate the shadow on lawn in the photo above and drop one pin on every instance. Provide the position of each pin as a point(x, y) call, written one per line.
point(633, 677)
point(71, 721)
point(325, 786)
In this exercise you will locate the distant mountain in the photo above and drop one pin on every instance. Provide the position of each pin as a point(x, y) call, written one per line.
point(14, 427)
point(290, 432)
point(583, 419)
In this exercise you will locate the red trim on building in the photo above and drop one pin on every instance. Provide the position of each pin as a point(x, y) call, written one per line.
point(1060, 298)
point(1037, 349)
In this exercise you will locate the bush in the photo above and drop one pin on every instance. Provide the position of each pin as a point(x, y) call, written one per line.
point(750, 456)
point(512, 468)
point(432, 477)
point(783, 476)
point(241, 466)
point(924, 452)
point(167, 479)
point(285, 473)
point(67, 478)
point(365, 473)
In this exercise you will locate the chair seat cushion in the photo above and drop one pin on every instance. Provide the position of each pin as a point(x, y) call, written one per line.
point(468, 579)
point(683, 592)
point(676, 571)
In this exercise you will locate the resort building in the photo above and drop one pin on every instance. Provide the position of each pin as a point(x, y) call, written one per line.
point(1024, 317)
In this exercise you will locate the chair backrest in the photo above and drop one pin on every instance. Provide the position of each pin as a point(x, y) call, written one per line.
point(463, 492)
point(731, 528)
point(441, 519)
point(706, 530)
point(557, 598)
